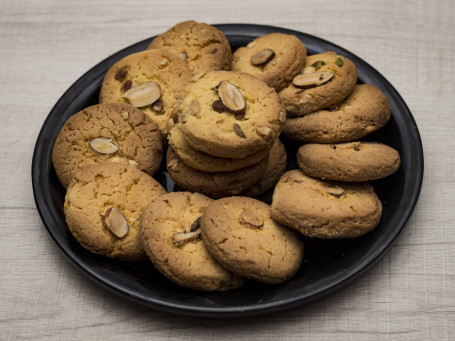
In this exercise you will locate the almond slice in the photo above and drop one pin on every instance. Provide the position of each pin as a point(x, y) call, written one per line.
point(143, 94)
point(231, 97)
point(181, 238)
point(262, 57)
point(334, 190)
point(311, 80)
point(103, 145)
point(115, 221)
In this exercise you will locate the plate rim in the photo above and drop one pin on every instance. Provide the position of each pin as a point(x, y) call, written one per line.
point(254, 30)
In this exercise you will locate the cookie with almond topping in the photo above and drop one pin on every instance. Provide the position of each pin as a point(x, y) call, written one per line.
point(103, 205)
point(240, 233)
point(203, 47)
point(352, 161)
point(170, 229)
point(115, 132)
point(230, 114)
point(150, 80)
point(325, 80)
point(325, 209)
point(275, 58)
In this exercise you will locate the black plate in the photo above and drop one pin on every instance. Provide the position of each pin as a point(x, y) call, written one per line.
point(327, 265)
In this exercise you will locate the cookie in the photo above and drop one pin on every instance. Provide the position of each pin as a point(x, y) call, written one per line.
point(203, 47)
point(274, 170)
point(214, 185)
point(150, 80)
point(172, 240)
point(323, 209)
point(364, 111)
point(275, 58)
point(352, 161)
point(230, 114)
point(113, 132)
point(206, 162)
point(240, 233)
point(103, 205)
point(326, 79)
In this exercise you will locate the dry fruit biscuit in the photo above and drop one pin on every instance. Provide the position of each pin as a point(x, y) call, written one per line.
point(203, 47)
point(326, 79)
point(103, 205)
point(274, 170)
point(240, 233)
point(365, 110)
point(150, 80)
point(351, 161)
point(275, 58)
point(212, 184)
point(115, 132)
point(230, 114)
point(170, 229)
point(323, 209)
point(206, 162)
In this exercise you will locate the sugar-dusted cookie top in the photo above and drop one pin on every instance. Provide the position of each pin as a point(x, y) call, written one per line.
point(275, 58)
point(230, 114)
point(203, 47)
point(115, 132)
point(326, 79)
point(103, 205)
point(240, 233)
point(170, 227)
point(150, 80)
point(324, 209)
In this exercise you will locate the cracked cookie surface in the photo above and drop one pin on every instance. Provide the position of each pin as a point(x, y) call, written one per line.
point(202, 46)
point(303, 101)
point(98, 188)
point(365, 110)
point(240, 233)
point(289, 55)
point(170, 72)
point(188, 264)
point(225, 134)
point(323, 209)
point(352, 161)
point(135, 136)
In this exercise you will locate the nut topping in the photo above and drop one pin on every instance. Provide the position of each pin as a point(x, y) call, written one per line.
point(251, 218)
point(317, 65)
point(198, 76)
point(115, 221)
point(195, 107)
point(339, 62)
point(238, 131)
point(218, 106)
point(311, 80)
point(334, 190)
point(181, 238)
point(183, 56)
point(157, 106)
point(103, 145)
point(195, 225)
point(231, 98)
point(125, 115)
point(143, 94)
point(121, 74)
point(127, 85)
point(264, 131)
point(262, 57)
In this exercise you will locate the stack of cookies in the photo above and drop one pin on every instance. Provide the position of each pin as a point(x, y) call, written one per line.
point(217, 118)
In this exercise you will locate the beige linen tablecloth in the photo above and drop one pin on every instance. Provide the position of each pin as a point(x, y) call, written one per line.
point(46, 45)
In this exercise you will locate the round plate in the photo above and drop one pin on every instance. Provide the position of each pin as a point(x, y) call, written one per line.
point(327, 264)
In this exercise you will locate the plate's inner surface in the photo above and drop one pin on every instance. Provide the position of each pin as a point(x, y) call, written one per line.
point(327, 263)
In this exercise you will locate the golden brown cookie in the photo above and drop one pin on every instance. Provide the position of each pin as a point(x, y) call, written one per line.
point(206, 162)
point(230, 114)
point(115, 132)
point(214, 185)
point(326, 79)
point(323, 209)
point(364, 111)
point(103, 205)
point(203, 47)
point(274, 170)
point(240, 233)
point(150, 80)
point(352, 161)
point(275, 58)
point(170, 227)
